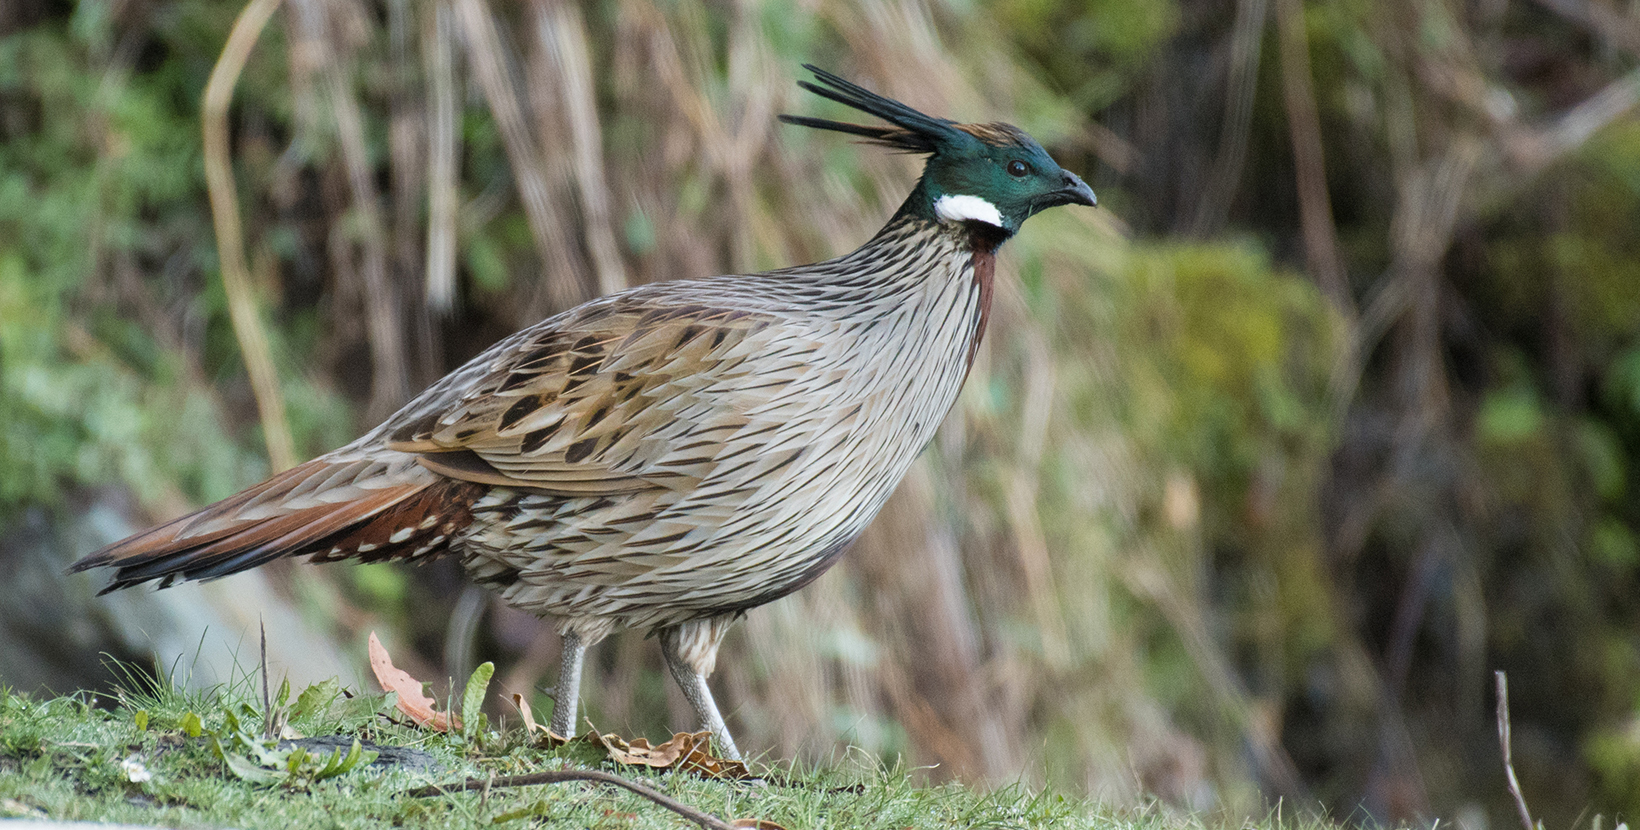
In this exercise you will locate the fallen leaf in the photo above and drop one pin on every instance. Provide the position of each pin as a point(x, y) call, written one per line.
point(548, 737)
point(686, 751)
point(522, 704)
point(640, 753)
point(412, 701)
point(755, 824)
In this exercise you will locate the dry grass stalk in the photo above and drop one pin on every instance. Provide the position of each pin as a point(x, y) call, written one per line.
point(389, 376)
point(236, 284)
point(565, 279)
point(939, 694)
point(562, 35)
point(407, 143)
point(1031, 544)
point(1310, 170)
point(1521, 809)
point(443, 156)
point(1147, 578)
point(1573, 128)
point(1224, 179)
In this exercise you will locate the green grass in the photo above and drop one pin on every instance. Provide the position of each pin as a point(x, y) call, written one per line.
point(67, 759)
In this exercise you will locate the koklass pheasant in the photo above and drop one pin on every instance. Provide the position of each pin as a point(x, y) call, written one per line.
point(672, 455)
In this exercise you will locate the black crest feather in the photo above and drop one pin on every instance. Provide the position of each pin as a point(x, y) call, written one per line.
point(913, 132)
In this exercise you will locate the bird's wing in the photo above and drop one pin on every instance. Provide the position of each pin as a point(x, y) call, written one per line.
point(615, 397)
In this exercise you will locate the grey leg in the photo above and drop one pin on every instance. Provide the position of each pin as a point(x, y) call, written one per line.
point(692, 681)
point(569, 685)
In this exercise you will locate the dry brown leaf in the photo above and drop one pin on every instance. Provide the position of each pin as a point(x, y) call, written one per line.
point(412, 701)
point(640, 753)
point(542, 733)
point(523, 705)
point(685, 752)
point(755, 824)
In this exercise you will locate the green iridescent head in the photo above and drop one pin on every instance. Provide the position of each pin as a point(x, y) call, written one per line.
point(992, 174)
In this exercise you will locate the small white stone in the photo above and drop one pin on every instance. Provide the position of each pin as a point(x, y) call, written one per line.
point(958, 208)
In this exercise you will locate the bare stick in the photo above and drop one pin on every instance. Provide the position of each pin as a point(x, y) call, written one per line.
point(1508, 761)
point(230, 240)
point(703, 819)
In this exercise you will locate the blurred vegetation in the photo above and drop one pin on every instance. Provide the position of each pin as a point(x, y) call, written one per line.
point(1331, 409)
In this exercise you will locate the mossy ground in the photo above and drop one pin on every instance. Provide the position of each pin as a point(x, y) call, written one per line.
point(71, 758)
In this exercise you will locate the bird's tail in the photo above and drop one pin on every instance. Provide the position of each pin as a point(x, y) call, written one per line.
point(330, 508)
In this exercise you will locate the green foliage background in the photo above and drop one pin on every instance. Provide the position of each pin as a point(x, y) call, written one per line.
point(1215, 520)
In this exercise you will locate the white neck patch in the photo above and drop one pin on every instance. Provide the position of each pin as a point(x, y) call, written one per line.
point(957, 208)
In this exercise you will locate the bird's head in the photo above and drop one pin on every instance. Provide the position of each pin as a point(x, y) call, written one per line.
point(992, 174)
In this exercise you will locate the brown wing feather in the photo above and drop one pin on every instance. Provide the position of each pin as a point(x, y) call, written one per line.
point(581, 408)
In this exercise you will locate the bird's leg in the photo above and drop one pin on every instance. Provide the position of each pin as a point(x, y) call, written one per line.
point(569, 685)
point(691, 653)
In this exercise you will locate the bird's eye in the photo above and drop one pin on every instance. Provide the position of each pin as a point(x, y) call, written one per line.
point(1018, 169)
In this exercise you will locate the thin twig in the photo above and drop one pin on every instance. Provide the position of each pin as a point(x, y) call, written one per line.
point(1508, 760)
point(230, 241)
point(704, 819)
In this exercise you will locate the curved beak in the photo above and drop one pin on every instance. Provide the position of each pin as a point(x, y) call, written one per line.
point(1074, 191)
